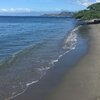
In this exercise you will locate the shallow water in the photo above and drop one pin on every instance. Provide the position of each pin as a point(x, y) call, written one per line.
point(29, 46)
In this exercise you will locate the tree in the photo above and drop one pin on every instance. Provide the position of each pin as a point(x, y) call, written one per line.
point(95, 7)
point(92, 12)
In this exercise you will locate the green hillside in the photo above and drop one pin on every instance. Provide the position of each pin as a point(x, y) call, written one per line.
point(92, 12)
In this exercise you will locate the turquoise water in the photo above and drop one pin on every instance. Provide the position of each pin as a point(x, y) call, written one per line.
point(29, 46)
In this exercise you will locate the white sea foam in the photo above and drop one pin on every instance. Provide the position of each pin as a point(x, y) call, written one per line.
point(71, 40)
point(15, 95)
point(69, 44)
point(28, 84)
point(43, 69)
point(54, 61)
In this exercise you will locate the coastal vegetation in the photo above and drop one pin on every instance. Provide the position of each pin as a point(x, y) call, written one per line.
point(91, 12)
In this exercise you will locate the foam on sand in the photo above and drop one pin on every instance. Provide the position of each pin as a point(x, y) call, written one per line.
point(83, 81)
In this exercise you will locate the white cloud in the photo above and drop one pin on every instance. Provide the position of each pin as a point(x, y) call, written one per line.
point(15, 10)
point(97, 0)
point(84, 2)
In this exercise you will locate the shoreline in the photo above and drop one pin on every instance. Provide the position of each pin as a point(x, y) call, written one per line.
point(83, 81)
point(50, 81)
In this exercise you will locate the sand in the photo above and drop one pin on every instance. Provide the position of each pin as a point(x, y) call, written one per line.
point(83, 81)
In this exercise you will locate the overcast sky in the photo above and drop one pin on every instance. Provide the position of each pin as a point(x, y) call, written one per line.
point(43, 5)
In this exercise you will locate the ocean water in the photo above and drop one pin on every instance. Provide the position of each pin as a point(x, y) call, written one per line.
point(29, 46)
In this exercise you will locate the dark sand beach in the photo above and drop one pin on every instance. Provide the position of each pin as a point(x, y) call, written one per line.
point(47, 88)
point(50, 82)
point(83, 81)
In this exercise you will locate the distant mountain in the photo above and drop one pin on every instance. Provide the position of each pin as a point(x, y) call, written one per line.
point(61, 14)
point(39, 13)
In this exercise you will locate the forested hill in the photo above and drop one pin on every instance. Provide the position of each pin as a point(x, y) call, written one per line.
point(92, 12)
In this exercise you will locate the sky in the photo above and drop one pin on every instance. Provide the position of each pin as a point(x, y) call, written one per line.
point(43, 5)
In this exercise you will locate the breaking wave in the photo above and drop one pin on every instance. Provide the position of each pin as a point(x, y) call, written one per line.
point(69, 44)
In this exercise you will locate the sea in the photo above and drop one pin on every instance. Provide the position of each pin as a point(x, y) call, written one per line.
point(30, 46)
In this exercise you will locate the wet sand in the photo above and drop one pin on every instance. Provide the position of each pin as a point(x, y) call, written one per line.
point(83, 81)
point(43, 89)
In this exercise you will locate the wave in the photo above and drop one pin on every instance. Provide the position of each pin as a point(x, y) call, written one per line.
point(8, 60)
point(69, 44)
point(71, 39)
point(28, 84)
